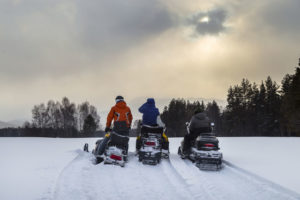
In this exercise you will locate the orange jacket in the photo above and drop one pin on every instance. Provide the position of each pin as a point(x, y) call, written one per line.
point(119, 112)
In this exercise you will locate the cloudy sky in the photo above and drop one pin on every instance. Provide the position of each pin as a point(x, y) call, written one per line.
point(96, 49)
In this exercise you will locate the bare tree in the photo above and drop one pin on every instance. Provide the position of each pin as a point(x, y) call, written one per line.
point(39, 116)
point(83, 112)
point(68, 111)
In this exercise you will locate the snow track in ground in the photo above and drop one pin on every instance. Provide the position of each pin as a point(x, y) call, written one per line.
point(83, 180)
point(229, 183)
point(171, 179)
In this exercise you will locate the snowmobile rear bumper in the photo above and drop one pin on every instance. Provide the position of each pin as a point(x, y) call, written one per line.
point(149, 157)
point(209, 167)
point(114, 162)
point(114, 155)
point(207, 160)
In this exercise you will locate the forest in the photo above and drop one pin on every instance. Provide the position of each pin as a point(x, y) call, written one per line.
point(264, 109)
point(253, 109)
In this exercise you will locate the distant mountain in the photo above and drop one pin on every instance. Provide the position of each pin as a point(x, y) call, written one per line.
point(12, 124)
point(6, 125)
point(17, 122)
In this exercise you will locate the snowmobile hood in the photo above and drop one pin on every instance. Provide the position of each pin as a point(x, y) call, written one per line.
point(150, 101)
point(201, 116)
point(121, 104)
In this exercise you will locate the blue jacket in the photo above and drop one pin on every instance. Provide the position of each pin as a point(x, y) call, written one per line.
point(150, 112)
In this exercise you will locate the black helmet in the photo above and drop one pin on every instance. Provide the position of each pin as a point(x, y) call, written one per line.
point(119, 98)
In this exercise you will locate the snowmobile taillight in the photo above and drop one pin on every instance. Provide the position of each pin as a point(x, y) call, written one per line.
point(150, 143)
point(209, 145)
point(115, 157)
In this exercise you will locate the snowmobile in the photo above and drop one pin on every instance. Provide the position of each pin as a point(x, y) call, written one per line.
point(151, 145)
point(116, 150)
point(204, 152)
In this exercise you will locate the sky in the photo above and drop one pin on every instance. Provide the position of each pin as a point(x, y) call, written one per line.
point(94, 50)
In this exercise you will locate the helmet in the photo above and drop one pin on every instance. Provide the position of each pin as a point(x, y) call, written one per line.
point(119, 98)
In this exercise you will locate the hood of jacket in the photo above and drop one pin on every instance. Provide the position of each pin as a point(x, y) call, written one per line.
point(121, 104)
point(150, 102)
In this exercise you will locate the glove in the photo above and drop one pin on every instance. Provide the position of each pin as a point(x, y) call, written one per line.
point(107, 129)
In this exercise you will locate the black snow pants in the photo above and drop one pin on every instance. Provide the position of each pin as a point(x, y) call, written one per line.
point(103, 143)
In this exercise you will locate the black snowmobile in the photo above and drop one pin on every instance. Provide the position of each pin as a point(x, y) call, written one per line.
point(116, 150)
point(204, 152)
point(150, 151)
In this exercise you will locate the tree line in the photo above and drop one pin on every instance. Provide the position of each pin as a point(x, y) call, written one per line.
point(59, 119)
point(267, 109)
point(264, 109)
point(180, 111)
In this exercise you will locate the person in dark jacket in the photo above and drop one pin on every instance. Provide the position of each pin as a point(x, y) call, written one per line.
point(199, 123)
point(150, 115)
point(150, 112)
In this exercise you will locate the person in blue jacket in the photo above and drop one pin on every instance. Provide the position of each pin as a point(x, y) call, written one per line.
point(150, 112)
point(150, 115)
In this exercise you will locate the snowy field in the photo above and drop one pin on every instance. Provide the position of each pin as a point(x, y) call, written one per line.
point(47, 168)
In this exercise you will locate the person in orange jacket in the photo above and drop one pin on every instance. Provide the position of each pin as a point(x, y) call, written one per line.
point(121, 116)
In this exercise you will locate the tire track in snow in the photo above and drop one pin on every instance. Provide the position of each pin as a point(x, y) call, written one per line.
point(261, 180)
point(140, 181)
point(175, 179)
point(256, 188)
point(230, 183)
point(195, 185)
point(71, 183)
point(82, 180)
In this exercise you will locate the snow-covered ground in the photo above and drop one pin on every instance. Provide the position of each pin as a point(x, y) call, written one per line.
point(47, 168)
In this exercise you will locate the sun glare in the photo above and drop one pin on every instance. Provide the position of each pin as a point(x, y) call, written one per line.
point(204, 19)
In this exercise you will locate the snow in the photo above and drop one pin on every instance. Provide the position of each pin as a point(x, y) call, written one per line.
point(55, 168)
point(276, 159)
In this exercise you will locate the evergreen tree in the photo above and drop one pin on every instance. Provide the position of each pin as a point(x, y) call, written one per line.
point(272, 108)
point(89, 126)
point(213, 113)
point(252, 111)
point(290, 108)
point(177, 114)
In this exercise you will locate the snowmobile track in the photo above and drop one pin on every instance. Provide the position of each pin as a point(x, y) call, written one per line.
point(173, 178)
point(261, 179)
point(75, 171)
point(198, 191)
point(229, 183)
point(81, 179)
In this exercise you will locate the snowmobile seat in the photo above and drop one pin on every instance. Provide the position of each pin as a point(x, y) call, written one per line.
point(153, 130)
point(207, 141)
